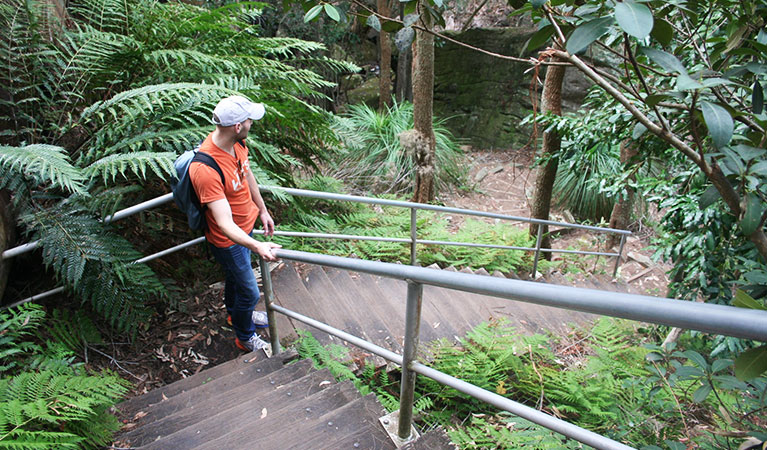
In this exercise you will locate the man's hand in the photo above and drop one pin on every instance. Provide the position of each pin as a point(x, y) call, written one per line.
point(264, 249)
point(266, 219)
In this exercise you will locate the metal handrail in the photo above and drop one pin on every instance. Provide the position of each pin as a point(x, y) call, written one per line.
point(726, 320)
point(7, 254)
point(719, 319)
point(415, 291)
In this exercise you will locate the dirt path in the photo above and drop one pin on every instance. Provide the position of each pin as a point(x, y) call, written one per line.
point(503, 183)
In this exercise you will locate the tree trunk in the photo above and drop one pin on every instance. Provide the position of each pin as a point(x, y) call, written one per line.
point(7, 237)
point(544, 182)
point(621, 215)
point(423, 97)
point(384, 62)
point(403, 86)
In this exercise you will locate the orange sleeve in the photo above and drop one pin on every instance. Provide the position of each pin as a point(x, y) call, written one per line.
point(206, 182)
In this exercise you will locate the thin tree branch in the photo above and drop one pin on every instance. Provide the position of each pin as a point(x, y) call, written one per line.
point(634, 64)
point(471, 17)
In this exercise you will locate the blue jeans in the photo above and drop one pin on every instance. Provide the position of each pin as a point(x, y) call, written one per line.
point(241, 292)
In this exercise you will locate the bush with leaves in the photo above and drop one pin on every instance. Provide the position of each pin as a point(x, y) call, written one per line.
point(372, 159)
point(590, 177)
point(46, 401)
point(99, 103)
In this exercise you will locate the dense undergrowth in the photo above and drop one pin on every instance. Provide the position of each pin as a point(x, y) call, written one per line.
point(609, 379)
point(47, 400)
point(394, 222)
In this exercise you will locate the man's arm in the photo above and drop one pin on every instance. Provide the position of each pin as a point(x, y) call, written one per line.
point(255, 194)
point(223, 215)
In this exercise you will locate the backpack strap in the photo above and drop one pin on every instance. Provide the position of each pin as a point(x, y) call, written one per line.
point(204, 158)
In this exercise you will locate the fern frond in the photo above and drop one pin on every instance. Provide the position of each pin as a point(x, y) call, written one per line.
point(192, 59)
point(68, 239)
point(103, 15)
point(161, 164)
point(45, 164)
point(48, 397)
point(15, 324)
point(20, 438)
point(75, 330)
point(130, 104)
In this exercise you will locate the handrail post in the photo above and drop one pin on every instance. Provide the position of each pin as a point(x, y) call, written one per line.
point(537, 249)
point(620, 255)
point(413, 237)
point(412, 325)
point(268, 293)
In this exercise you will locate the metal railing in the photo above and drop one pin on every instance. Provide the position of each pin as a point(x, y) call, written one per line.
point(718, 319)
point(413, 241)
point(709, 318)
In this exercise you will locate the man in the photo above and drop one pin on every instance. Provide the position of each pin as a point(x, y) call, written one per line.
point(231, 213)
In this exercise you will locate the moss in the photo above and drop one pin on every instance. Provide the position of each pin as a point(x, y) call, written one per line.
point(483, 97)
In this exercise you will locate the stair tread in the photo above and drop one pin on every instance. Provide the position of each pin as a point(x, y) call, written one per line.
point(387, 305)
point(291, 292)
point(334, 300)
point(333, 428)
point(432, 440)
point(130, 407)
point(197, 409)
point(369, 437)
point(296, 418)
point(370, 321)
point(397, 289)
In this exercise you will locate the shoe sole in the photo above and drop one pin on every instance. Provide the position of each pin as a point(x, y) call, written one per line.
point(229, 322)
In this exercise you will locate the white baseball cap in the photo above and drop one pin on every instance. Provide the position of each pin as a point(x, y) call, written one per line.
point(236, 109)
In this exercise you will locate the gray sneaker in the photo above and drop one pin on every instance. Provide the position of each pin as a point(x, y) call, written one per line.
point(260, 319)
point(252, 344)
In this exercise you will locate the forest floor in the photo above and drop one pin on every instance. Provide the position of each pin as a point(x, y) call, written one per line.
point(185, 338)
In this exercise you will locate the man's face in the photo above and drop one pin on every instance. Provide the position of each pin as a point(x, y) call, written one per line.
point(243, 129)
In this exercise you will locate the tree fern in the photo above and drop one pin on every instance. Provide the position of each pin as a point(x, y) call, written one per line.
point(122, 86)
point(42, 164)
point(137, 163)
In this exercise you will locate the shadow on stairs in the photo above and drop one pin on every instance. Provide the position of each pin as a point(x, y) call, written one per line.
point(255, 402)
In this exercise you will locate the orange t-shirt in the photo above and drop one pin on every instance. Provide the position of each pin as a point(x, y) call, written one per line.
point(207, 185)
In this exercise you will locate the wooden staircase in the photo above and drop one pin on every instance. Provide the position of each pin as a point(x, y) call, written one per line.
point(255, 402)
point(373, 307)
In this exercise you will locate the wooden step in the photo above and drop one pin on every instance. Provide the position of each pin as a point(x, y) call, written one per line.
point(165, 421)
point(361, 310)
point(288, 428)
point(335, 306)
point(341, 429)
point(389, 306)
point(291, 293)
point(235, 377)
point(132, 406)
point(397, 290)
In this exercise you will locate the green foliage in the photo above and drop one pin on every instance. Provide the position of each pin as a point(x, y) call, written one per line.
point(504, 430)
point(73, 330)
point(51, 403)
point(373, 159)
point(99, 106)
point(590, 177)
point(395, 223)
point(605, 379)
